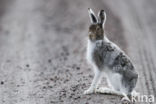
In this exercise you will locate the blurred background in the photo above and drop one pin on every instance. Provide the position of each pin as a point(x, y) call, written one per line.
point(43, 45)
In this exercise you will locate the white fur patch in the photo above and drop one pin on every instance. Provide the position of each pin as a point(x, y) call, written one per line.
point(114, 79)
point(90, 48)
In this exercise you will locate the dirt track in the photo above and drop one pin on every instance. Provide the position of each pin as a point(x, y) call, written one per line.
point(43, 45)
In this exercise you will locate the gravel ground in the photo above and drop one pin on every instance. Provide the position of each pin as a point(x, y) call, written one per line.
point(43, 45)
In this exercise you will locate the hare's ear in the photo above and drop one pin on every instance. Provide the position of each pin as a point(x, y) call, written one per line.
point(102, 17)
point(92, 16)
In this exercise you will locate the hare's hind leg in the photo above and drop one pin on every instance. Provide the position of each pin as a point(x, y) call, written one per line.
point(106, 90)
point(96, 80)
point(128, 88)
point(128, 98)
point(125, 98)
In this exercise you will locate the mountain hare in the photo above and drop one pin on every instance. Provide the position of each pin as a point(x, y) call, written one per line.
point(107, 58)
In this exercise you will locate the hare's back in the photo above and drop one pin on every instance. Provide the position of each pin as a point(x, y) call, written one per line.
point(105, 53)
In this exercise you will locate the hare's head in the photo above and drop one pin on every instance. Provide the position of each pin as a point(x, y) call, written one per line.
point(96, 29)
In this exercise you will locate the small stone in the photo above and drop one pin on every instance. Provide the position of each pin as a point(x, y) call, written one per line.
point(90, 76)
point(49, 60)
point(44, 87)
point(18, 85)
point(51, 79)
point(50, 86)
point(78, 68)
point(8, 61)
point(2, 82)
point(52, 102)
point(27, 65)
point(47, 82)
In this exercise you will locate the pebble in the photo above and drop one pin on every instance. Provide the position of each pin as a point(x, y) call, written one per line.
point(27, 65)
point(44, 87)
point(2, 82)
point(78, 68)
point(49, 60)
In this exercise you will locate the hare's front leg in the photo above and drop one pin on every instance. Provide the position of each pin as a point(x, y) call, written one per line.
point(96, 80)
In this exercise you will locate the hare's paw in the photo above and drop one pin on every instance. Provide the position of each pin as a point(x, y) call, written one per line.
point(135, 94)
point(125, 100)
point(104, 90)
point(89, 91)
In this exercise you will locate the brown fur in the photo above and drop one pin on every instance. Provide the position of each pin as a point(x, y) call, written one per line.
point(96, 32)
